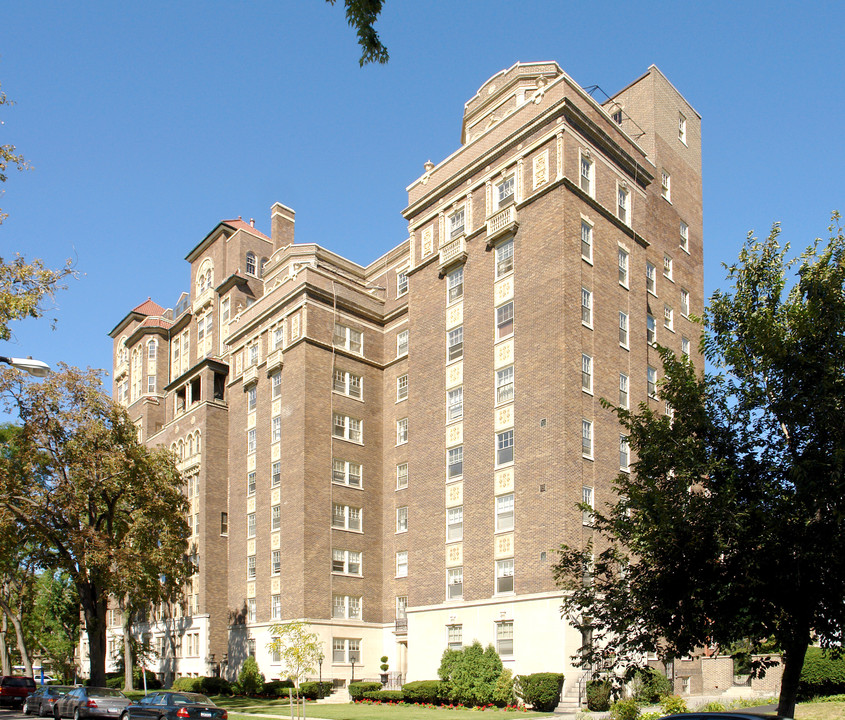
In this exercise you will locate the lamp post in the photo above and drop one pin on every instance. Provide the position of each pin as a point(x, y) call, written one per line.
point(353, 671)
point(36, 368)
point(320, 686)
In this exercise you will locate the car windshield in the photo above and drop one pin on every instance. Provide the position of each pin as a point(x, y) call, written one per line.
point(105, 692)
point(18, 682)
point(198, 699)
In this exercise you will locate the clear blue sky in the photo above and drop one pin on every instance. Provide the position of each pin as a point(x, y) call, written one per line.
point(147, 123)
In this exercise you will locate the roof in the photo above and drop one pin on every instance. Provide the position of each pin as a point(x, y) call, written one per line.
point(237, 224)
point(156, 322)
point(240, 224)
point(149, 307)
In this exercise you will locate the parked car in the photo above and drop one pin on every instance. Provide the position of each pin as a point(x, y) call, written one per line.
point(14, 689)
point(85, 702)
point(42, 700)
point(174, 706)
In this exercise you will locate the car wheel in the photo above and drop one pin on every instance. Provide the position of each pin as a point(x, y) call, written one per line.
point(25, 708)
point(76, 715)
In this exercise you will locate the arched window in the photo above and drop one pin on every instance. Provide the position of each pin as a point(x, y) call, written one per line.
point(198, 441)
point(180, 450)
point(122, 352)
point(205, 276)
point(190, 445)
point(250, 263)
point(261, 267)
point(152, 346)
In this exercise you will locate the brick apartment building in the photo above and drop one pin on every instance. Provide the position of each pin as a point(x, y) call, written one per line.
point(394, 452)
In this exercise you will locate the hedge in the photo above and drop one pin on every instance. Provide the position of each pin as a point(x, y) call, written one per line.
point(205, 685)
point(540, 690)
point(598, 695)
point(385, 695)
point(311, 689)
point(272, 688)
point(357, 689)
point(424, 691)
point(822, 674)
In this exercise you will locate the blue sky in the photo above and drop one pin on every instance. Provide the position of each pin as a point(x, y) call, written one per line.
point(147, 123)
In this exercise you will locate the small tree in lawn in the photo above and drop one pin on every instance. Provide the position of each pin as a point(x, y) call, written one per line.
point(299, 652)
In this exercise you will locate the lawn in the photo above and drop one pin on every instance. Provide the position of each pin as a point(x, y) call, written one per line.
point(820, 711)
point(361, 711)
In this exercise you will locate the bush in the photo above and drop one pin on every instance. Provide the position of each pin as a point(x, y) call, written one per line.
point(470, 674)
point(650, 685)
point(311, 689)
point(423, 691)
point(250, 679)
point(272, 687)
point(503, 694)
point(214, 686)
point(357, 689)
point(672, 704)
point(822, 674)
point(540, 690)
point(385, 695)
point(712, 706)
point(598, 695)
point(628, 709)
point(186, 684)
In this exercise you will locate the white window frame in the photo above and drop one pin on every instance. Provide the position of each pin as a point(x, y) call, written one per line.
point(250, 442)
point(683, 242)
point(651, 278)
point(251, 398)
point(401, 476)
point(348, 383)
point(401, 282)
point(668, 318)
point(276, 383)
point(504, 258)
point(455, 285)
point(402, 519)
point(504, 577)
point(623, 204)
point(650, 329)
point(342, 473)
point(347, 559)
point(402, 431)
point(346, 607)
point(668, 267)
point(275, 562)
point(454, 459)
point(251, 264)
point(623, 329)
point(624, 397)
point(276, 473)
point(586, 373)
point(402, 342)
point(275, 518)
point(504, 320)
point(586, 307)
point(587, 241)
point(457, 223)
point(504, 443)
point(454, 583)
point(507, 182)
point(250, 483)
point(402, 388)
point(455, 344)
point(250, 567)
point(651, 381)
point(402, 563)
point(348, 338)
point(347, 428)
point(685, 346)
point(276, 429)
point(666, 186)
point(505, 516)
point(587, 178)
point(347, 517)
point(454, 634)
point(588, 498)
point(504, 638)
point(684, 302)
point(275, 607)
point(682, 128)
point(505, 385)
point(250, 525)
point(587, 439)
point(624, 454)
point(454, 404)
point(624, 258)
point(455, 524)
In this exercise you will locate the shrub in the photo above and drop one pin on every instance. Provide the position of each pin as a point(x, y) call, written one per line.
point(628, 709)
point(470, 674)
point(384, 666)
point(250, 678)
point(423, 691)
point(649, 685)
point(822, 674)
point(503, 694)
point(357, 689)
point(214, 686)
point(385, 695)
point(672, 704)
point(598, 695)
point(186, 684)
point(311, 689)
point(540, 690)
point(272, 687)
point(712, 706)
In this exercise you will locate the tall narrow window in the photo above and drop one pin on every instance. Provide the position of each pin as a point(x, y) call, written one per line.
point(651, 278)
point(402, 431)
point(682, 128)
point(685, 346)
point(402, 564)
point(504, 638)
point(275, 517)
point(401, 388)
point(455, 285)
point(456, 222)
point(402, 343)
point(651, 381)
point(624, 454)
point(504, 385)
point(504, 447)
point(402, 519)
point(250, 441)
point(684, 303)
point(666, 186)
point(454, 524)
point(455, 583)
point(586, 438)
point(454, 462)
point(250, 483)
point(623, 200)
point(276, 385)
point(668, 318)
point(454, 404)
point(651, 329)
point(455, 344)
point(623, 329)
point(623, 267)
point(251, 266)
point(588, 505)
point(504, 191)
point(454, 636)
point(667, 267)
point(586, 373)
point(504, 258)
point(276, 474)
point(586, 241)
point(586, 175)
point(252, 395)
point(401, 283)
point(586, 307)
point(684, 241)
point(504, 513)
point(623, 391)
point(504, 576)
point(504, 320)
point(402, 476)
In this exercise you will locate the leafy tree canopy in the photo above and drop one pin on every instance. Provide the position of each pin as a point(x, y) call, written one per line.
point(362, 15)
point(731, 523)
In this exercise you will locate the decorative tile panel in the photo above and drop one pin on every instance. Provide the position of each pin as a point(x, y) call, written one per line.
point(275, 496)
point(503, 290)
point(454, 494)
point(455, 374)
point(503, 354)
point(503, 481)
point(503, 546)
point(455, 555)
point(295, 328)
point(454, 434)
point(427, 241)
point(504, 418)
point(250, 504)
point(541, 169)
point(275, 586)
point(250, 420)
point(250, 589)
point(277, 407)
point(275, 541)
point(276, 451)
point(250, 462)
point(250, 546)
point(454, 315)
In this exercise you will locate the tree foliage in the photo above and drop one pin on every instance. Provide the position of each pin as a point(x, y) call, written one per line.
point(731, 523)
point(471, 674)
point(299, 649)
point(9, 155)
point(250, 678)
point(53, 622)
point(362, 15)
point(101, 504)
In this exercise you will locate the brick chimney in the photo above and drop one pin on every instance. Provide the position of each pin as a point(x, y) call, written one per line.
point(281, 225)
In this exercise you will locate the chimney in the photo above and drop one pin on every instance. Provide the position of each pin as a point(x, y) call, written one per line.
point(281, 225)
point(252, 222)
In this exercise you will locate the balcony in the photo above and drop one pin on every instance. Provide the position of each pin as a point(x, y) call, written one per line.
point(274, 361)
point(250, 375)
point(204, 299)
point(452, 253)
point(501, 224)
point(401, 626)
point(121, 369)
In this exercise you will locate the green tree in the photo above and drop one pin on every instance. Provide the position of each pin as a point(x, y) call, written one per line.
point(299, 651)
point(362, 15)
point(250, 677)
point(54, 622)
point(100, 502)
point(9, 155)
point(471, 674)
point(731, 523)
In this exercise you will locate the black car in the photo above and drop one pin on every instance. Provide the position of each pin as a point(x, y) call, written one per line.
point(42, 700)
point(85, 702)
point(174, 706)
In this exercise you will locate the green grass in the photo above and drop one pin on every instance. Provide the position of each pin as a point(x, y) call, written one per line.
point(361, 711)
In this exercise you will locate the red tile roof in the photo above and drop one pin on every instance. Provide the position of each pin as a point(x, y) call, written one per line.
point(148, 307)
point(240, 224)
point(156, 322)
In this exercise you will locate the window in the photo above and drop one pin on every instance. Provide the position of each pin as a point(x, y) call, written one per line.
point(401, 388)
point(504, 385)
point(276, 382)
point(402, 431)
point(504, 513)
point(278, 336)
point(504, 258)
point(504, 637)
point(668, 318)
point(586, 373)
point(402, 608)
point(623, 391)
point(338, 650)
point(251, 395)
point(454, 583)
point(402, 519)
point(586, 241)
point(275, 517)
point(454, 462)
point(250, 525)
point(682, 128)
point(455, 344)
point(651, 329)
point(252, 354)
point(346, 606)
point(623, 329)
point(587, 172)
point(224, 523)
point(586, 438)
point(402, 476)
point(504, 191)
point(588, 503)
point(504, 447)
point(346, 428)
point(275, 474)
point(347, 562)
point(151, 383)
point(276, 562)
point(504, 320)
point(623, 453)
point(348, 339)
point(586, 307)
point(684, 303)
point(667, 267)
point(454, 637)
point(455, 285)
point(456, 223)
point(617, 117)
point(402, 343)
point(454, 404)
point(402, 563)
point(454, 524)
point(275, 607)
point(347, 383)
point(666, 186)
point(651, 381)
point(250, 263)
point(651, 278)
point(623, 267)
point(276, 429)
point(251, 610)
point(623, 199)
point(250, 441)
point(345, 517)
point(250, 567)
point(151, 350)
point(684, 241)
point(504, 576)
point(401, 283)
point(345, 651)
point(346, 473)
point(685, 346)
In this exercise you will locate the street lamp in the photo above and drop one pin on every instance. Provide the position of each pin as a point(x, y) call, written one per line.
point(320, 686)
point(36, 368)
point(353, 671)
